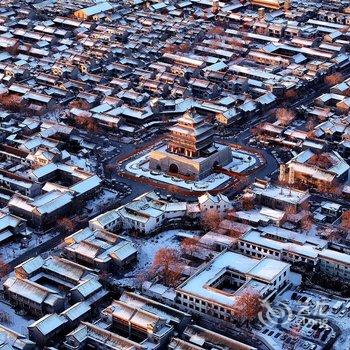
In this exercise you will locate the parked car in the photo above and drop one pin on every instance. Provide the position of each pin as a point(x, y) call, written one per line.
point(325, 308)
point(305, 345)
point(342, 313)
point(309, 332)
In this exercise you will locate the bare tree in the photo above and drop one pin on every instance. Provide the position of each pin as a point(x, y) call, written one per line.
point(306, 221)
point(285, 116)
point(216, 31)
point(344, 29)
point(322, 161)
point(104, 277)
point(67, 225)
point(80, 104)
point(331, 188)
point(14, 49)
point(345, 221)
point(334, 79)
point(248, 201)
point(310, 124)
point(166, 265)
point(236, 43)
point(111, 168)
point(290, 212)
point(311, 134)
point(11, 102)
point(291, 94)
point(185, 47)
point(171, 48)
point(87, 123)
point(247, 305)
point(4, 269)
point(55, 113)
point(331, 233)
point(210, 219)
point(190, 245)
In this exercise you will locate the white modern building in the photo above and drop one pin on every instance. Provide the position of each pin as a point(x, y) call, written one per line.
point(144, 214)
point(215, 288)
point(152, 210)
point(219, 203)
point(275, 242)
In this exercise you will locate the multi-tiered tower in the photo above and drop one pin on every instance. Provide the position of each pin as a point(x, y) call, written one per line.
point(190, 150)
point(191, 136)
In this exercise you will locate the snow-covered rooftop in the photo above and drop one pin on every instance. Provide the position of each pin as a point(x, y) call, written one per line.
point(264, 271)
point(283, 194)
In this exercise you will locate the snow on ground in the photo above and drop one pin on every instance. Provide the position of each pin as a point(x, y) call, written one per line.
point(12, 250)
point(109, 149)
point(295, 278)
point(318, 299)
point(343, 322)
point(140, 167)
point(312, 232)
point(82, 163)
point(344, 338)
point(16, 322)
point(241, 162)
point(147, 248)
point(105, 197)
point(298, 311)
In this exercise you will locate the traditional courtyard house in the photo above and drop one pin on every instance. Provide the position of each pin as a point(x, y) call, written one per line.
point(176, 318)
point(229, 117)
point(208, 339)
point(217, 241)
point(19, 184)
point(100, 249)
point(144, 319)
point(144, 214)
point(51, 328)
point(13, 340)
point(44, 209)
point(109, 221)
point(46, 328)
point(11, 153)
point(91, 335)
point(80, 183)
point(94, 11)
point(34, 143)
point(33, 297)
point(49, 285)
point(43, 157)
point(149, 212)
point(328, 212)
point(11, 228)
point(39, 102)
point(261, 217)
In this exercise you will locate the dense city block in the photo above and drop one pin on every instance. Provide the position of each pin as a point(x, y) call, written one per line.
point(174, 174)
